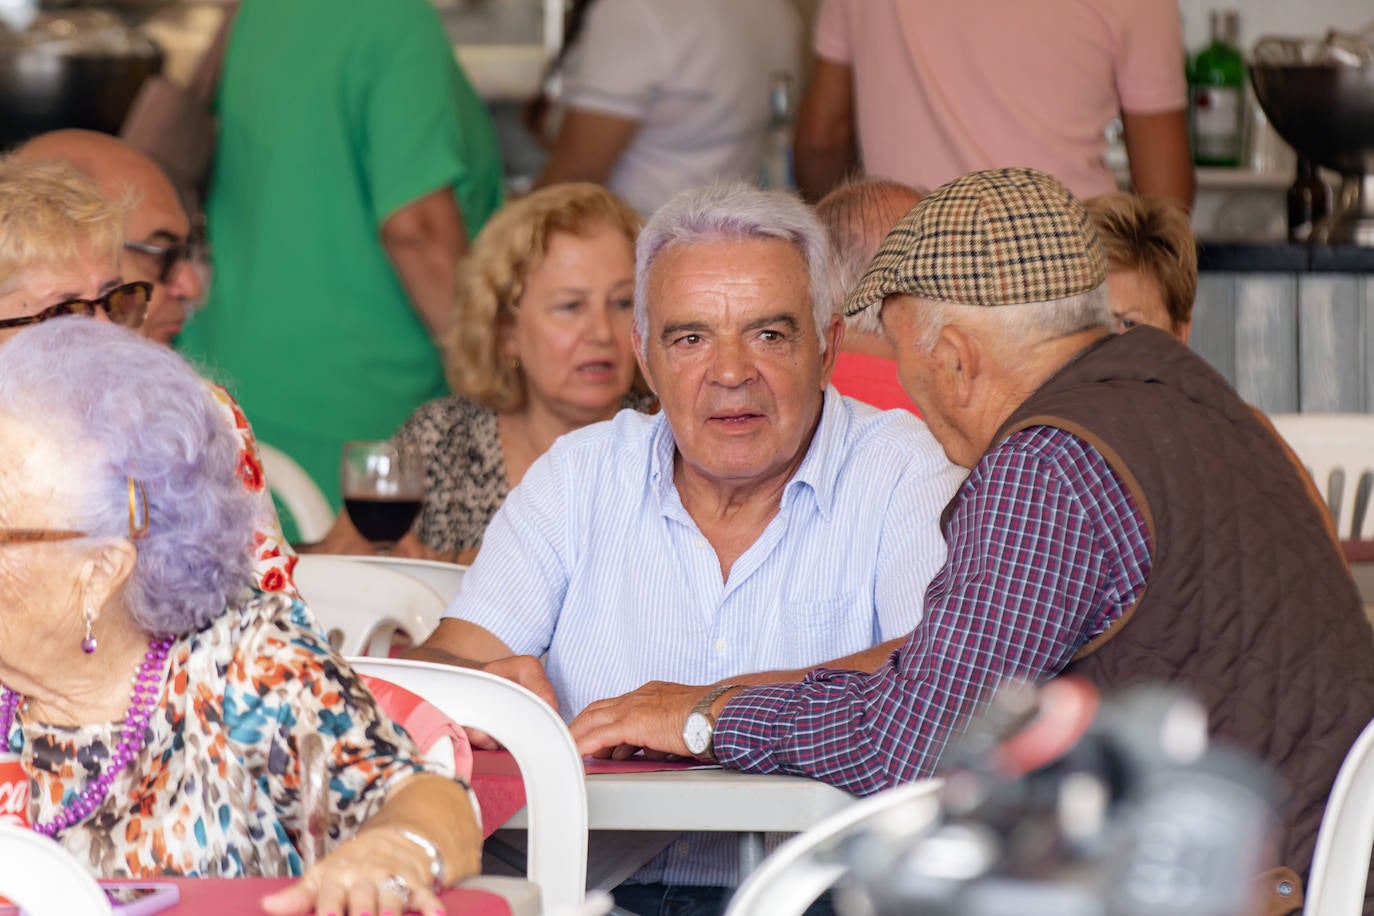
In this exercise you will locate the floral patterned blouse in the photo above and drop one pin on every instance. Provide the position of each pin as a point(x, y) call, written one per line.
point(273, 558)
point(261, 729)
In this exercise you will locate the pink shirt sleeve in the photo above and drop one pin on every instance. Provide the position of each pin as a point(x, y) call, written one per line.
point(425, 725)
point(832, 39)
point(1149, 67)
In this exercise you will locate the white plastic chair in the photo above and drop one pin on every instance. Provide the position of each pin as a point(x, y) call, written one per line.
point(361, 605)
point(1340, 863)
point(298, 492)
point(1338, 451)
point(535, 735)
point(793, 877)
point(43, 879)
point(444, 578)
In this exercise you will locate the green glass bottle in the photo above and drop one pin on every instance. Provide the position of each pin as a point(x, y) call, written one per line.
point(1217, 105)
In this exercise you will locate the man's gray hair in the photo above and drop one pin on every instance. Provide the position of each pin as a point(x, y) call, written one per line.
point(857, 216)
point(1017, 327)
point(733, 211)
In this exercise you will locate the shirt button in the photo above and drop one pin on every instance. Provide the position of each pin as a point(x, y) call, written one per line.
point(720, 645)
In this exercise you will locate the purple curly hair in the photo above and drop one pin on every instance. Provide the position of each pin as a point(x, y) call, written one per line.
point(145, 414)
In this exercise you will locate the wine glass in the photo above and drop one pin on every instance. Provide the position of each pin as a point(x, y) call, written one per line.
point(383, 486)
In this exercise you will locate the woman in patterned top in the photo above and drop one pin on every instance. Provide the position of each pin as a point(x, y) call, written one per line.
point(540, 346)
point(60, 247)
point(242, 744)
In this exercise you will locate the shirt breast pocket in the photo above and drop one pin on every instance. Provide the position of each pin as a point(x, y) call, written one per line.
point(817, 629)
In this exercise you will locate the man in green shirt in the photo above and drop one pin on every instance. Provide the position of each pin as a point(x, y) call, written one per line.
point(354, 162)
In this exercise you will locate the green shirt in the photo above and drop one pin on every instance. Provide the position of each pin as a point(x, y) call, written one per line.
point(333, 115)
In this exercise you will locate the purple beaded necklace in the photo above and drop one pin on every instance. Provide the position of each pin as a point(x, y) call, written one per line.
point(148, 678)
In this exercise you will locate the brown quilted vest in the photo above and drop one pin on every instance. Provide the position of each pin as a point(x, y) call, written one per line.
point(1249, 601)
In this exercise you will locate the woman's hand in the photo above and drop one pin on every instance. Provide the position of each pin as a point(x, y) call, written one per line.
point(379, 871)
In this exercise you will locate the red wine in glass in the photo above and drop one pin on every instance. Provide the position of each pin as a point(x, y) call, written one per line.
point(383, 487)
point(382, 520)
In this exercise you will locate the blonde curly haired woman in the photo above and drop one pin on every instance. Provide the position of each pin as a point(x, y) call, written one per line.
point(540, 346)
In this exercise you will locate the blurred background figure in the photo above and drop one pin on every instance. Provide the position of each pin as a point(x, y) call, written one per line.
point(924, 91)
point(1151, 260)
point(539, 346)
point(657, 96)
point(353, 161)
point(159, 246)
point(857, 216)
point(1058, 799)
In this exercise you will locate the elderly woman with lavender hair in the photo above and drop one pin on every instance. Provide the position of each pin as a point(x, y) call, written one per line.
point(123, 551)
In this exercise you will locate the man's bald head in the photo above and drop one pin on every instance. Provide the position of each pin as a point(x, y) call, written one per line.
point(858, 215)
point(155, 217)
point(121, 171)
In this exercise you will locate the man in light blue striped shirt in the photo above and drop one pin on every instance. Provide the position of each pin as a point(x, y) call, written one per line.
point(762, 521)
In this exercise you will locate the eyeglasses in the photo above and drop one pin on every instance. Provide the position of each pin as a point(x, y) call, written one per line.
point(138, 523)
point(169, 256)
point(126, 305)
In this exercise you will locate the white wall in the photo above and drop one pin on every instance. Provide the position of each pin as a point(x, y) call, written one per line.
point(1275, 17)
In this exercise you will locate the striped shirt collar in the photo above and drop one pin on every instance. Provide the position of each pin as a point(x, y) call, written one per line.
point(817, 475)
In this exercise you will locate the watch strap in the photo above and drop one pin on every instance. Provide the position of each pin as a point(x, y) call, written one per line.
point(703, 708)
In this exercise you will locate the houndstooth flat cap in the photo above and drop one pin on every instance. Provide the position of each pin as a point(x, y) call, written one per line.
point(998, 237)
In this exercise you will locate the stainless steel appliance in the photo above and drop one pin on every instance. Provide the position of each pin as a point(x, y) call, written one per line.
point(1321, 101)
point(72, 68)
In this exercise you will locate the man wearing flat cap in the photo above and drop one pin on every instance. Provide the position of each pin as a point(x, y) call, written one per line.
point(1126, 517)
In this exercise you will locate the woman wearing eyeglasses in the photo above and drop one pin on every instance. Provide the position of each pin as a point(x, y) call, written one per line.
point(60, 248)
point(59, 251)
point(161, 246)
point(172, 720)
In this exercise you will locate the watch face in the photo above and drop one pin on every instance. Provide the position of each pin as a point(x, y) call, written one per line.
point(697, 733)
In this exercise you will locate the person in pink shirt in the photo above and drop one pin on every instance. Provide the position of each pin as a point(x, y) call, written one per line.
point(923, 91)
point(857, 216)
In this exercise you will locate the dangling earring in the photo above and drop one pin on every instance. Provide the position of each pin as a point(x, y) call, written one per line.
point(89, 644)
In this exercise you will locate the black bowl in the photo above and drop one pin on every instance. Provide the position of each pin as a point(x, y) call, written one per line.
point(42, 89)
point(1326, 113)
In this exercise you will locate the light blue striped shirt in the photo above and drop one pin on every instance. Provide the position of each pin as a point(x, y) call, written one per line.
point(594, 560)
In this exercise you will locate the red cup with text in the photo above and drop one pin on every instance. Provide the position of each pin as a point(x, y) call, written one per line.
point(14, 794)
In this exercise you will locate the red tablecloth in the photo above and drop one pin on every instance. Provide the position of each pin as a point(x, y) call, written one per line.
point(240, 896)
point(496, 780)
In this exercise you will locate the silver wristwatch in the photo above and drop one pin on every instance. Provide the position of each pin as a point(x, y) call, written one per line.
point(436, 858)
point(699, 731)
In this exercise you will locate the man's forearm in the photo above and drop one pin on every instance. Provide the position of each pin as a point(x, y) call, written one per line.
point(820, 170)
point(427, 653)
point(427, 270)
point(867, 660)
point(424, 240)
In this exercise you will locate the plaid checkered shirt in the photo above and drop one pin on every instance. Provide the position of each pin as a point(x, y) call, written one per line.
point(1046, 550)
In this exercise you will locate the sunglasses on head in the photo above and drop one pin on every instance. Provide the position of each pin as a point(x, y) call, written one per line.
point(168, 256)
point(126, 305)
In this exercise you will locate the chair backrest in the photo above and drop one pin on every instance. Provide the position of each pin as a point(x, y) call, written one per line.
point(1338, 451)
point(538, 739)
point(297, 491)
point(43, 879)
point(790, 880)
point(1340, 863)
point(444, 578)
point(361, 605)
